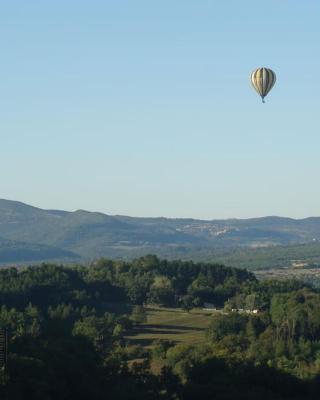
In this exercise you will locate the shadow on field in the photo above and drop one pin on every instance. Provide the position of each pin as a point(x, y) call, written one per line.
point(166, 310)
point(141, 342)
point(156, 331)
point(161, 327)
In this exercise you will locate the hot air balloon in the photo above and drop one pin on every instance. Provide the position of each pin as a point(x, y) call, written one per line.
point(263, 80)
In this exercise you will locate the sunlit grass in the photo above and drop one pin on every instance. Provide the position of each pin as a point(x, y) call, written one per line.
point(171, 324)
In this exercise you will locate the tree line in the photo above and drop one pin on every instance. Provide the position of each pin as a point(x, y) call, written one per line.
point(67, 330)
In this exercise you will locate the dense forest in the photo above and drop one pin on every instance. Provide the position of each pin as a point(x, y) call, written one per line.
point(67, 329)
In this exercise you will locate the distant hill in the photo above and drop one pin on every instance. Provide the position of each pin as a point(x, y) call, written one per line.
point(16, 252)
point(29, 233)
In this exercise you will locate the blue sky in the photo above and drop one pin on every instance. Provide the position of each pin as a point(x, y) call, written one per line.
point(144, 107)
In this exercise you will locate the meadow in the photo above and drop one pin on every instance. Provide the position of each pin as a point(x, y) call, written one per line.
point(172, 324)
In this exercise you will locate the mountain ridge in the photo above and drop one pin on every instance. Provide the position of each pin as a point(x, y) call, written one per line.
point(81, 210)
point(88, 234)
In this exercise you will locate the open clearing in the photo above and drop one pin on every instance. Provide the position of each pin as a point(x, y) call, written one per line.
point(288, 273)
point(171, 324)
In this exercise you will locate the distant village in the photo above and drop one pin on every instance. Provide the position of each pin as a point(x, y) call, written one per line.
point(212, 307)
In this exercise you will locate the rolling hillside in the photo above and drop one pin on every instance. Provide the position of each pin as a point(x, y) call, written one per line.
point(29, 233)
point(14, 252)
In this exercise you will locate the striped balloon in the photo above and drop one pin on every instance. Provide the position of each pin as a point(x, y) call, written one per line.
point(263, 80)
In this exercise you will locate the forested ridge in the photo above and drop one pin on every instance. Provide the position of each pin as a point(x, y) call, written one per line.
point(68, 326)
point(30, 234)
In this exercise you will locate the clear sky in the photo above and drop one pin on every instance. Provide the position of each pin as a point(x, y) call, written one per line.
point(144, 107)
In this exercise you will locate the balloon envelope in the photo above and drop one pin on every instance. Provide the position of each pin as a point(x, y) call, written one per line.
point(263, 80)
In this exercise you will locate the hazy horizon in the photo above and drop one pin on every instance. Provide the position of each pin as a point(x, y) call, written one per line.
point(158, 216)
point(145, 109)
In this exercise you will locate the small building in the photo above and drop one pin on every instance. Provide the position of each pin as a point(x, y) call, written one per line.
point(209, 306)
point(242, 310)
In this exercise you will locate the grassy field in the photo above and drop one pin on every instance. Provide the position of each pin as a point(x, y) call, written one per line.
point(171, 324)
point(289, 273)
